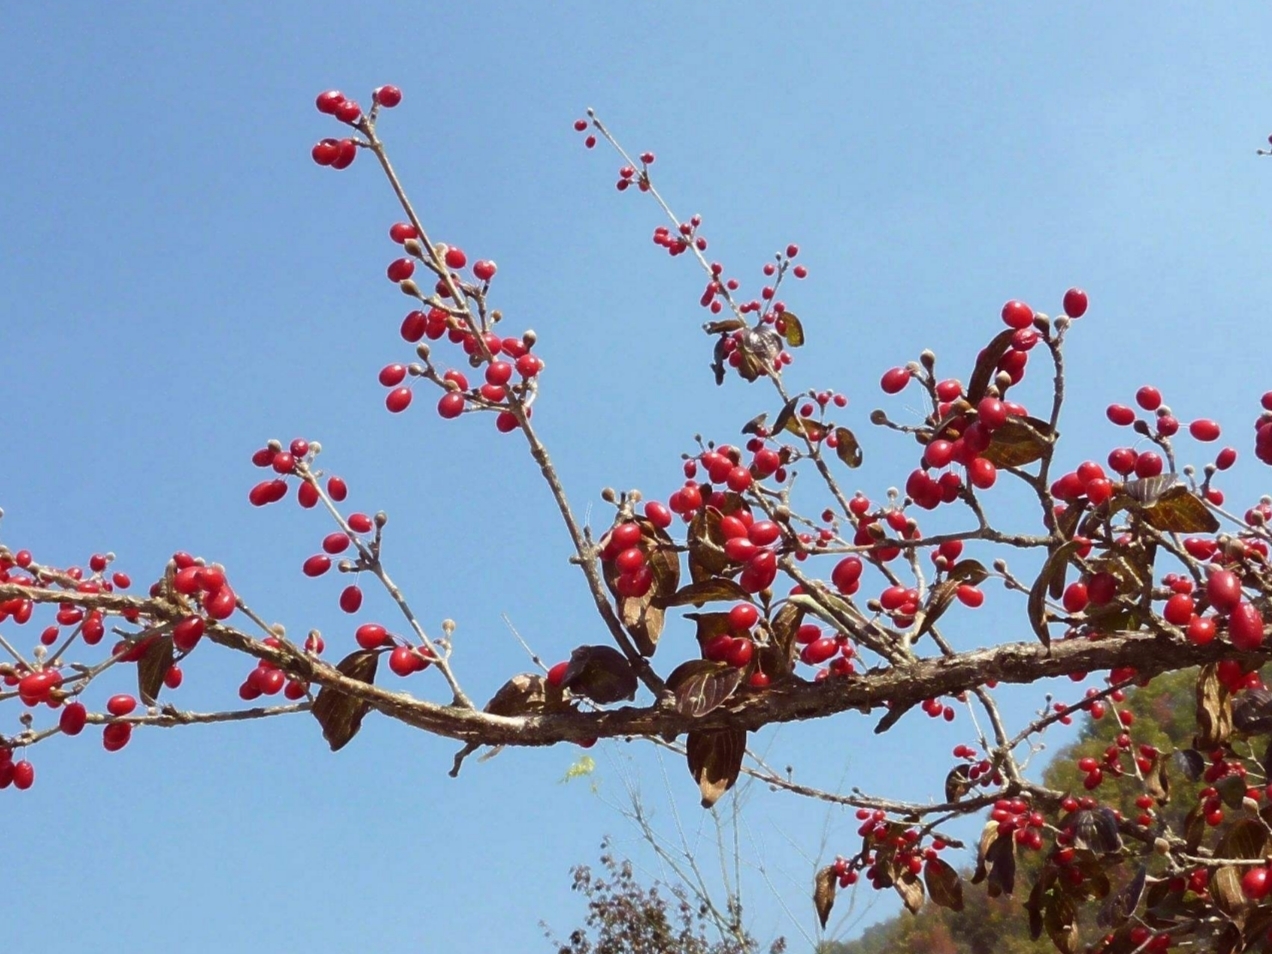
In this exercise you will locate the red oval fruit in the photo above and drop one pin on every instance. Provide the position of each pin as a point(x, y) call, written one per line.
point(121, 705)
point(351, 598)
point(1075, 302)
point(316, 565)
point(1223, 590)
point(1256, 883)
point(743, 616)
point(1245, 627)
point(73, 718)
point(371, 635)
point(895, 380)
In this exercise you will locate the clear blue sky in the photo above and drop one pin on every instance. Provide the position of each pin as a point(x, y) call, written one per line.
point(179, 282)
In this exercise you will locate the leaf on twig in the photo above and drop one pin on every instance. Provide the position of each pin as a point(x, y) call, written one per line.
point(715, 758)
point(968, 571)
point(1019, 442)
point(755, 424)
point(706, 545)
point(1055, 566)
point(702, 686)
point(939, 601)
point(153, 667)
point(958, 782)
point(1060, 918)
point(847, 447)
point(643, 616)
point(1225, 890)
point(1191, 762)
point(911, 890)
point(1252, 712)
point(943, 884)
point(785, 415)
point(724, 326)
point(1157, 781)
point(339, 714)
point(525, 694)
point(987, 365)
point(1214, 710)
point(794, 329)
point(706, 591)
point(1246, 839)
point(1165, 503)
point(806, 427)
point(1094, 829)
point(1119, 908)
point(824, 893)
point(601, 673)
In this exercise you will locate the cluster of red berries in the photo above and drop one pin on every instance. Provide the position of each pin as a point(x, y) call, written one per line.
point(580, 125)
point(284, 462)
point(1263, 431)
point(340, 153)
point(1165, 425)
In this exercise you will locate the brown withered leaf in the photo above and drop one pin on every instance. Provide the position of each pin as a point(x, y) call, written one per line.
point(1067, 522)
point(1000, 864)
point(706, 591)
point(601, 673)
point(1157, 781)
point(152, 667)
point(1225, 890)
point(341, 715)
point(527, 693)
point(939, 600)
point(794, 333)
point(706, 545)
point(1055, 566)
point(710, 625)
point(1060, 918)
point(847, 447)
point(1194, 828)
point(1252, 712)
point(1191, 762)
point(1118, 909)
point(718, 355)
point(943, 884)
point(1173, 508)
point(1214, 710)
point(724, 326)
point(968, 571)
point(806, 427)
point(1094, 829)
point(1019, 442)
point(824, 893)
point(987, 365)
point(643, 616)
point(1033, 907)
point(702, 686)
point(1246, 839)
point(757, 349)
point(958, 783)
point(785, 415)
point(715, 758)
point(988, 836)
point(911, 890)
point(1232, 790)
point(755, 424)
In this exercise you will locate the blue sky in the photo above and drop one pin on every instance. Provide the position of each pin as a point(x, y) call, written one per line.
point(178, 282)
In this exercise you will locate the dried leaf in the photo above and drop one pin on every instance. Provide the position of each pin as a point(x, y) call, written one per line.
point(601, 673)
point(1033, 907)
point(1157, 781)
point(152, 667)
point(988, 836)
point(757, 349)
point(806, 427)
point(943, 884)
point(702, 686)
point(785, 415)
point(706, 545)
point(958, 782)
point(724, 326)
point(1173, 508)
point(706, 591)
point(1214, 710)
point(911, 890)
point(755, 424)
point(847, 448)
point(1055, 566)
point(1194, 828)
point(715, 758)
point(1061, 922)
point(939, 601)
point(717, 361)
point(341, 715)
point(987, 365)
point(1191, 762)
point(643, 616)
point(1067, 522)
point(1019, 442)
point(1094, 829)
point(1119, 908)
point(824, 893)
point(525, 694)
point(1252, 712)
point(794, 333)
point(1000, 864)
point(968, 571)
point(1231, 789)
point(1246, 839)
point(1225, 890)
point(710, 625)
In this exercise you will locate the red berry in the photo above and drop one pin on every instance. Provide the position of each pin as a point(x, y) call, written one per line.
point(451, 405)
point(1075, 302)
point(1178, 610)
point(1245, 627)
point(403, 661)
point(1016, 314)
point(1256, 883)
point(658, 514)
point(1223, 590)
point(398, 400)
point(401, 231)
point(743, 616)
point(328, 102)
point(306, 495)
point(1201, 630)
point(337, 489)
point(1120, 414)
point(348, 152)
point(351, 598)
point(982, 473)
point(895, 380)
point(387, 96)
point(400, 269)
point(484, 270)
point(121, 704)
point(348, 111)
point(220, 605)
point(23, 775)
point(73, 718)
point(556, 675)
point(1148, 397)
point(1204, 430)
point(455, 258)
point(187, 633)
point(391, 375)
point(335, 542)
point(371, 635)
point(317, 565)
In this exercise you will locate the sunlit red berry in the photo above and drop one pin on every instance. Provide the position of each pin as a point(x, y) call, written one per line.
point(387, 96)
point(1075, 302)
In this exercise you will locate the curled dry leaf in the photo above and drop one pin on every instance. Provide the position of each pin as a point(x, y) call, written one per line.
point(1165, 503)
point(794, 333)
point(847, 447)
point(910, 888)
point(969, 571)
point(1055, 566)
point(152, 667)
point(715, 758)
point(724, 326)
point(525, 694)
point(702, 686)
point(339, 714)
point(1214, 710)
point(958, 783)
point(642, 616)
point(1060, 918)
point(987, 365)
point(1119, 908)
point(601, 673)
point(824, 886)
point(706, 591)
point(943, 884)
point(1019, 442)
point(1252, 712)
